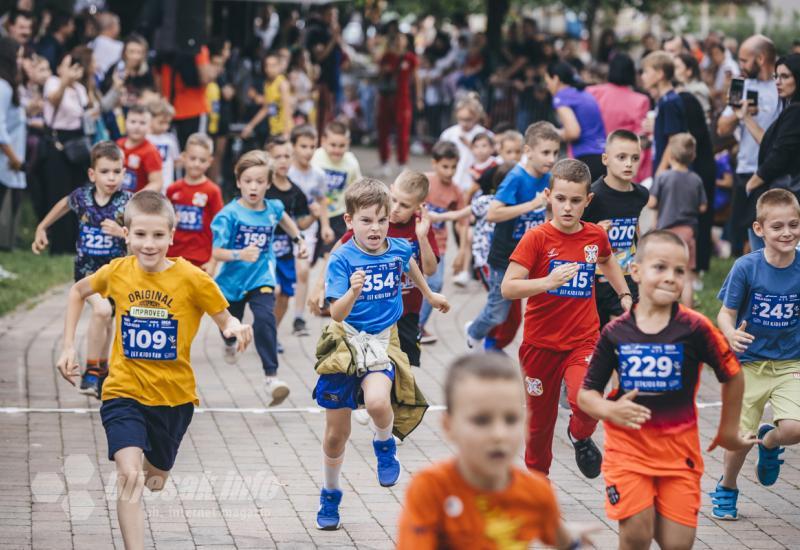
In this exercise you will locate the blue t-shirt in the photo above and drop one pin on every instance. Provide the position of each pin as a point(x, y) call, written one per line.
point(380, 303)
point(768, 298)
point(236, 227)
point(517, 187)
point(592, 140)
point(670, 120)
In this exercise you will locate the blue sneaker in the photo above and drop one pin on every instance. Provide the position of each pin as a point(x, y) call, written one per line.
point(769, 462)
point(328, 513)
point(724, 502)
point(489, 344)
point(90, 383)
point(388, 465)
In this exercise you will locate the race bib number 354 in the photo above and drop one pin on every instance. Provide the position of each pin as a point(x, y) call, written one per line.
point(650, 367)
point(147, 338)
point(580, 286)
point(382, 281)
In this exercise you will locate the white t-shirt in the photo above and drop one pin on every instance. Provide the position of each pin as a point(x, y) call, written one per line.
point(768, 110)
point(70, 111)
point(311, 181)
point(167, 145)
point(465, 159)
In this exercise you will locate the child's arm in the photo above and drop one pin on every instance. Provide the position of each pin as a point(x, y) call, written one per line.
point(231, 327)
point(450, 216)
point(501, 212)
point(613, 272)
point(58, 211)
point(516, 284)
point(426, 255)
point(728, 436)
point(291, 229)
point(155, 181)
point(286, 107)
point(622, 412)
point(738, 339)
point(67, 363)
point(110, 227)
point(316, 298)
point(248, 254)
point(341, 307)
point(436, 300)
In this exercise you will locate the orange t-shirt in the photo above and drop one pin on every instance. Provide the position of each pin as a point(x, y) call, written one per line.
point(443, 198)
point(442, 511)
point(189, 102)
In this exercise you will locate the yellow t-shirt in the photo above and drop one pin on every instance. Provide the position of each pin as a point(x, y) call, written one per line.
point(213, 98)
point(338, 175)
point(156, 319)
point(274, 103)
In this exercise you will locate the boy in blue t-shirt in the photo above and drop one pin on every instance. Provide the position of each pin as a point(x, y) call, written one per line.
point(518, 205)
point(243, 234)
point(363, 284)
point(760, 317)
point(658, 69)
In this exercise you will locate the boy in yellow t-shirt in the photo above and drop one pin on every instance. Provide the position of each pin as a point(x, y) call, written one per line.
point(149, 395)
point(277, 101)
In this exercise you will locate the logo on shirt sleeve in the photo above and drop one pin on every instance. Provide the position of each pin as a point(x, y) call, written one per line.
point(590, 253)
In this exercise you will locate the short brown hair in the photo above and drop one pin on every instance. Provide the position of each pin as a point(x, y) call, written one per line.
point(541, 131)
point(484, 366)
point(338, 128)
point(201, 140)
point(151, 203)
point(276, 141)
point(658, 235)
point(413, 182)
point(772, 198)
point(137, 109)
point(683, 148)
point(660, 61)
point(571, 170)
point(161, 107)
point(509, 135)
point(249, 160)
point(444, 150)
point(366, 192)
point(623, 135)
point(106, 150)
point(303, 130)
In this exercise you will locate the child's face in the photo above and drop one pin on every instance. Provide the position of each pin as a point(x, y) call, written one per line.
point(303, 149)
point(159, 124)
point(370, 226)
point(404, 205)
point(622, 159)
point(568, 200)
point(650, 77)
point(487, 425)
point(253, 184)
point(196, 159)
point(106, 175)
point(511, 151)
point(780, 228)
point(149, 237)
point(445, 169)
point(542, 156)
point(41, 72)
point(272, 66)
point(137, 125)
point(281, 158)
point(482, 150)
point(335, 145)
point(661, 275)
point(467, 119)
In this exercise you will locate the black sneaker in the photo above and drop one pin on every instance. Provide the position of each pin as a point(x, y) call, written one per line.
point(299, 327)
point(587, 456)
point(90, 383)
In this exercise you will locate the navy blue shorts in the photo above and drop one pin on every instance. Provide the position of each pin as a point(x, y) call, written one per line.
point(157, 430)
point(286, 275)
point(341, 391)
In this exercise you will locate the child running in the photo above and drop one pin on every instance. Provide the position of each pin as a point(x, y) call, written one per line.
point(363, 283)
point(142, 159)
point(243, 233)
point(479, 498)
point(554, 267)
point(196, 200)
point(161, 113)
point(100, 206)
point(150, 394)
point(759, 317)
point(277, 100)
point(653, 463)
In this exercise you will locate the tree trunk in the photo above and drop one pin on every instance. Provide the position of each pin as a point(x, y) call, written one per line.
point(496, 11)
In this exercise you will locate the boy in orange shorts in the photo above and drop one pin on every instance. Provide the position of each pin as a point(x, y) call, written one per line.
point(653, 464)
point(480, 499)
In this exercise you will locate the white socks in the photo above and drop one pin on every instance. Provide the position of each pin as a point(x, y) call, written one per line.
point(331, 468)
point(382, 434)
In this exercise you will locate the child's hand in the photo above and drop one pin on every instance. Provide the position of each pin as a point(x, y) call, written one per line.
point(68, 365)
point(357, 281)
point(40, 241)
point(423, 224)
point(246, 132)
point(733, 442)
point(327, 234)
point(315, 209)
point(250, 254)
point(110, 227)
point(580, 532)
point(438, 301)
point(458, 262)
point(315, 301)
point(624, 412)
point(605, 224)
point(210, 267)
point(242, 333)
point(562, 274)
point(739, 339)
point(537, 202)
point(302, 249)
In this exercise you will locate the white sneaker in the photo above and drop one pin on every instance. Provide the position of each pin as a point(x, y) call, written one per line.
point(230, 354)
point(473, 345)
point(361, 416)
point(277, 390)
point(385, 170)
point(462, 279)
point(417, 148)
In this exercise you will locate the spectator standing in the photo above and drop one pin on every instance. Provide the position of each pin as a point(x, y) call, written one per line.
point(107, 47)
point(324, 41)
point(687, 73)
point(19, 27)
point(12, 143)
point(725, 69)
point(52, 44)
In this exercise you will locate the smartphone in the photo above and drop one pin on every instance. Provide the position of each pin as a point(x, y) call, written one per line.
point(752, 97)
point(736, 91)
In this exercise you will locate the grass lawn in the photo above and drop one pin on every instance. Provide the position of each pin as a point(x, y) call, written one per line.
point(706, 300)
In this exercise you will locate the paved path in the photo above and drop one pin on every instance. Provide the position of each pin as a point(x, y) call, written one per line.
point(250, 479)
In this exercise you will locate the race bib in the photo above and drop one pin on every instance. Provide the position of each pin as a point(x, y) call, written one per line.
point(129, 181)
point(650, 367)
point(775, 310)
point(382, 281)
point(190, 218)
point(527, 221)
point(258, 235)
point(439, 210)
point(281, 245)
point(335, 180)
point(406, 282)
point(272, 109)
point(163, 149)
point(153, 336)
point(93, 242)
point(622, 232)
point(580, 286)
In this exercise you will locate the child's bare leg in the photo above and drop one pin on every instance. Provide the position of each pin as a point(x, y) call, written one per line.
point(732, 464)
point(637, 531)
point(130, 484)
point(377, 390)
point(337, 432)
point(672, 535)
point(154, 478)
point(281, 305)
point(97, 332)
point(302, 269)
point(786, 432)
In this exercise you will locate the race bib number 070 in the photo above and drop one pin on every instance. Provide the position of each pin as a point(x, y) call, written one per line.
point(622, 232)
point(650, 367)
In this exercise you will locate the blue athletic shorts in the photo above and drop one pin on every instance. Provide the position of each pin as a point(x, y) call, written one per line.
point(157, 430)
point(341, 391)
point(286, 275)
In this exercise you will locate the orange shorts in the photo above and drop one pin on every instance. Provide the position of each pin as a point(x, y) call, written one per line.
point(676, 497)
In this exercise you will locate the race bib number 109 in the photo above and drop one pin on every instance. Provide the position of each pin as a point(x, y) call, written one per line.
point(580, 286)
point(650, 367)
point(149, 338)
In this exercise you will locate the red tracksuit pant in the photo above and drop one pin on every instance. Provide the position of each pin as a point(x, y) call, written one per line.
point(544, 370)
point(394, 115)
point(505, 332)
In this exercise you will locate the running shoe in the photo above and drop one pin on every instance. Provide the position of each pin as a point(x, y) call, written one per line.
point(279, 347)
point(361, 416)
point(388, 465)
point(724, 501)
point(427, 338)
point(230, 353)
point(462, 278)
point(277, 390)
point(473, 345)
point(90, 383)
point(768, 466)
point(328, 513)
point(299, 327)
point(563, 400)
point(587, 456)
